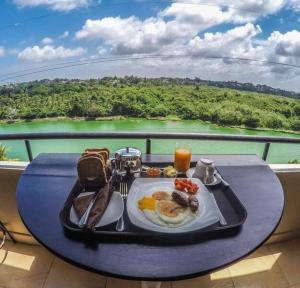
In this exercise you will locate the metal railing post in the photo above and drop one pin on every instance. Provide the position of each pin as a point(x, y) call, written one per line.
point(28, 149)
point(148, 146)
point(266, 151)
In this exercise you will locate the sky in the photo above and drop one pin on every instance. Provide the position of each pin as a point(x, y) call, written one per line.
point(214, 40)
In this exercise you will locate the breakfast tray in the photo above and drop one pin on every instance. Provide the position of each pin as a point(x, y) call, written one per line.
point(232, 209)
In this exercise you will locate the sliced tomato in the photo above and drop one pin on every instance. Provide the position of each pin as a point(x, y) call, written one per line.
point(186, 185)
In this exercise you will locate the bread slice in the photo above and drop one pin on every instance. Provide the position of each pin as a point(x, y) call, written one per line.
point(92, 154)
point(92, 172)
point(102, 151)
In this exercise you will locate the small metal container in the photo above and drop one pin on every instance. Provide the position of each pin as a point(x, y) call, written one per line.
point(128, 159)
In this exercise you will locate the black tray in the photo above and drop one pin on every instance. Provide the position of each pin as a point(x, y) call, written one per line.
point(232, 209)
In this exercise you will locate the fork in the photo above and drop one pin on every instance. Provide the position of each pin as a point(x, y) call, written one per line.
point(124, 193)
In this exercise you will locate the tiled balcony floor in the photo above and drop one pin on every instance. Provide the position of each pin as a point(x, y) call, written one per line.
point(272, 266)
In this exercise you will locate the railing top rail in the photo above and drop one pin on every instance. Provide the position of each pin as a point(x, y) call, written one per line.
point(146, 135)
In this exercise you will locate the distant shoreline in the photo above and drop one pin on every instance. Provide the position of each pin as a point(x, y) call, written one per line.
point(119, 117)
point(53, 119)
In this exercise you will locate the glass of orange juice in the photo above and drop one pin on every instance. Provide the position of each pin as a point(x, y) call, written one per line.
point(183, 155)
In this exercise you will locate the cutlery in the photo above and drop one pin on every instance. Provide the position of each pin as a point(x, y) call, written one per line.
point(83, 220)
point(124, 193)
point(222, 219)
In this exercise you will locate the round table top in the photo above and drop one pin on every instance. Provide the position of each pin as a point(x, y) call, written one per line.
point(47, 181)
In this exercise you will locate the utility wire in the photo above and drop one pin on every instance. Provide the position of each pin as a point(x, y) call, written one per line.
point(135, 58)
point(66, 64)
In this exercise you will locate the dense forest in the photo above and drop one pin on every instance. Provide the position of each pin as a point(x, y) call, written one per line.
point(141, 97)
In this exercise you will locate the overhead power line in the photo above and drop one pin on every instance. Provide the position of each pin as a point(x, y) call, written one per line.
point(144, 57)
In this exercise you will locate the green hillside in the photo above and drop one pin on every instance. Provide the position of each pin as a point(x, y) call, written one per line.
point(146, 98)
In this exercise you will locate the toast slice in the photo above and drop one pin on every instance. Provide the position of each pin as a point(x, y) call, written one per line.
point(102, 151)
point(92, 172)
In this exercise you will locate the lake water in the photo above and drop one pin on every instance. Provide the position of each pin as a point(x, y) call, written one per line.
point(279, 153)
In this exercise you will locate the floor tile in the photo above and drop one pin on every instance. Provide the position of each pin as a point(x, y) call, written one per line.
point(288, 254)
point(259, 270)
point(220, 279)
point(63, 275)
point(118, 283)
point(24, 265)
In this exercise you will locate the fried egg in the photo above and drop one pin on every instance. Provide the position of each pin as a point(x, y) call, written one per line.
point(161, 210)
point(148, 203)
point(170, 212)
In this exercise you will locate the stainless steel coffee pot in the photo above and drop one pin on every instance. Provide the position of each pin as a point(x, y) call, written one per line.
point(128, 158)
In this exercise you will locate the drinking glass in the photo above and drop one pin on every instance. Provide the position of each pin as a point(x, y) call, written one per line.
point(183, 155)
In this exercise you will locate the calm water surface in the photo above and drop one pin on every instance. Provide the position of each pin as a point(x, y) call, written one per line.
point(279, 153)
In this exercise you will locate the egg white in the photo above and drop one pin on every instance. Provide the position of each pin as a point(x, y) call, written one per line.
point(173, 220)
point(153, 217)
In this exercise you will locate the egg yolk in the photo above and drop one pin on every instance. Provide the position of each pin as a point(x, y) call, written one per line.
point(147, 203)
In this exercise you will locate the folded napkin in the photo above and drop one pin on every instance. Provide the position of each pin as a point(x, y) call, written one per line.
point(103, 197)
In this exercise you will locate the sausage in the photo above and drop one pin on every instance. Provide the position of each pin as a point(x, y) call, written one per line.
point(185, 200)
point(193, 203)
point(181, 198)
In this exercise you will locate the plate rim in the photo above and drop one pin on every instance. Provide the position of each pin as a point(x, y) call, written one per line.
point(97, 225)
point(156, 228)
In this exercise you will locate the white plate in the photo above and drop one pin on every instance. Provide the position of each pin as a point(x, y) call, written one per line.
point(207, 214)
point(190, 174)
point(112, 213)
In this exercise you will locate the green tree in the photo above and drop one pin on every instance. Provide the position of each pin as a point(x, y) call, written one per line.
point(251, 121)
point(77, 108)
point(93, 112)
point(273, 122)
point(296, 110)
point(295, 125)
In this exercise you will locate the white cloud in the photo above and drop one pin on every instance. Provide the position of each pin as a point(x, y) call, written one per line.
point(284, 48)
point(251, 10)
point(240, 42)
point(295, 4)
point(101, 50)
point(131, 35)
point(223, 11)
point(201, 16)
point(246, 10)
point(64, 35)
point(2, 51)
point(287, 44)
point(48, 52)
point(60, 5)
point(175, 25)
point(47, 40)
point(236, 42)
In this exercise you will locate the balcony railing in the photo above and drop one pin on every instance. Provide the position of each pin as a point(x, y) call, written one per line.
point(267, 140)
